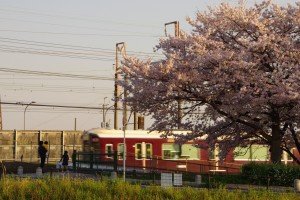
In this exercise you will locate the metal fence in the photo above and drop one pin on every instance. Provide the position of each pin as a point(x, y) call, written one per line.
point(23, 144)
point(114, 162)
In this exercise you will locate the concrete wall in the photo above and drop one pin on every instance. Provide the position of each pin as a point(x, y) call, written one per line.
point(17, 144)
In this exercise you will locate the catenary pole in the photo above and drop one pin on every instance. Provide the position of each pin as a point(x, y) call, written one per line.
point(117, 87)
point(179, 102)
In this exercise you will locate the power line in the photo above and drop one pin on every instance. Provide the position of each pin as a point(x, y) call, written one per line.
point(57, 106)
point(21, 71)
point(60, 52)
point(55, 45)
point(73, 47)
point(10, 50)
point(78, 18)
point(79, 34)
point(64, 87)
point(59, 91)
point(73, 26)
point(66, 111)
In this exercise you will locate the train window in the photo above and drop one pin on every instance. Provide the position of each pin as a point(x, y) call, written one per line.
point(260, 152)
point(109, 150)
point(211, 154)
point(140, 150)
point(289, 157)
point(170, 151)
point(188, 151)
point(120, 151)
point(148, 151)
point(95, 146)
point(184, 151)
point(286, 157)
point(254, 152)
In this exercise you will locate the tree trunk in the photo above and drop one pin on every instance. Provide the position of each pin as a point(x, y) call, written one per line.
point(275, 151)
point(275, 145)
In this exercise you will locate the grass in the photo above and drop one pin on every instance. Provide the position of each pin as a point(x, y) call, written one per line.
point(67, 188)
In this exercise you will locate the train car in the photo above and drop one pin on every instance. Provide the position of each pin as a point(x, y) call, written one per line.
point(148, 150)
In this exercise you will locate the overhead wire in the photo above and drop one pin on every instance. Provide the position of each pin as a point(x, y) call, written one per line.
point(57, 91)
point(43, 73)
point(69, 87)
point(79, 34)
point(80, 52)
point(12, 50)
point(10, 45)
point(23, 86)
point(73, 26)
point(94, 71)
point(79, 18)
point(60, 52)
point(57, 106)
point(73, 47)
point(66, 111)
point(54, 49)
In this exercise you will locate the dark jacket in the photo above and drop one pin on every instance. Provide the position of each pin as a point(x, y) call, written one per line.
point(65, 159)
point(42, 151)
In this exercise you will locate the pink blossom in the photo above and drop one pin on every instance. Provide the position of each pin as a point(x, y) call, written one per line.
point(236, 74)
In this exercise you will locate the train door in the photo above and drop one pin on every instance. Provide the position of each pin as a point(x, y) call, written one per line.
point(85, 143)
point(109, 151)
point(143, 152)
point(95, 144)
point(91, 143)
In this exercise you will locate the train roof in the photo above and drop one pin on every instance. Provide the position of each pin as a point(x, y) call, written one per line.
point(112, 133)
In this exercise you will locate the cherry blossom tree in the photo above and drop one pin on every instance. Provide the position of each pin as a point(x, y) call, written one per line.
point(236, 75)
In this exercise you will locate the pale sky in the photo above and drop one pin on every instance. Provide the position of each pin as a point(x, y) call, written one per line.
point(76, 37)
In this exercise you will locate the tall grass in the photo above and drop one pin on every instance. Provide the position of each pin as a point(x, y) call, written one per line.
point(89, 189)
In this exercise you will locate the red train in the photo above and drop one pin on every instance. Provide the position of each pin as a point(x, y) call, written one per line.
point(147, 150)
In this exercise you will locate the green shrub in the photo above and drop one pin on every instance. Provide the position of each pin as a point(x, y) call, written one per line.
point(272, 174)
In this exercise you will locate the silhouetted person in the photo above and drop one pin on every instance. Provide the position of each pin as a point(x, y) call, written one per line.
point(65, 160)
point(42, 153)
point(46, 145)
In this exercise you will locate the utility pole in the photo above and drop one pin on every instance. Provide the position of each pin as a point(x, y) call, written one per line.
point(125, 106)
point(135, 121)
point(176, 23)
point(179, 101)
point(1, 126)
point(117, 77)
point(103, 114)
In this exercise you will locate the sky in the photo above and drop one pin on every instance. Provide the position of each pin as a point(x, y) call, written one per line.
point(63, 53)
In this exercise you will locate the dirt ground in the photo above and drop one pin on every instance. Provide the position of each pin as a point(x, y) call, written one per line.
point(11, 167)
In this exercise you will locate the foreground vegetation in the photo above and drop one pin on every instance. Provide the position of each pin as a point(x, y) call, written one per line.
point(275, 174)
point(67, 188)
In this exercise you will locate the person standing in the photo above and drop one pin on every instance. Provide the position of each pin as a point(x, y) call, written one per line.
point(46, 145)
point(65, 160)
point(42, 153)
